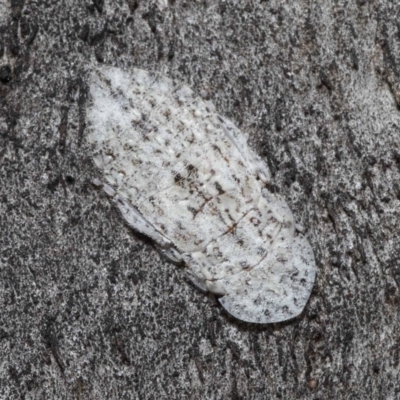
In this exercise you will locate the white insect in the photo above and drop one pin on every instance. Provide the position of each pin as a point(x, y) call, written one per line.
point(185, 176)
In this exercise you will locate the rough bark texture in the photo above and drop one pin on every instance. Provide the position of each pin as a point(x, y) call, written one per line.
point(88, 310)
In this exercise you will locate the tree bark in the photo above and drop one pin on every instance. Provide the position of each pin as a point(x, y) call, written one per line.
point(89, 310)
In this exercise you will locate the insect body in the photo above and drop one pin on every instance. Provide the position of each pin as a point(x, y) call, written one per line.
point(185, 176)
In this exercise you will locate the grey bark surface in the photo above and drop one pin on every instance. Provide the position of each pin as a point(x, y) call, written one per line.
point(89, 310)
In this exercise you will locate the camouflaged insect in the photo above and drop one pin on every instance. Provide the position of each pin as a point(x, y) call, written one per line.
point(185, 176)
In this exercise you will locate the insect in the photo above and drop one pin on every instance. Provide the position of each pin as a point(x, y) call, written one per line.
point(184, 176)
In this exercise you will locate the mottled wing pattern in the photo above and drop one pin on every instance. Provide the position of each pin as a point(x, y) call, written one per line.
point(186, 177)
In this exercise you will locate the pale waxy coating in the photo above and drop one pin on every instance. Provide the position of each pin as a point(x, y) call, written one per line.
point(185, 176)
